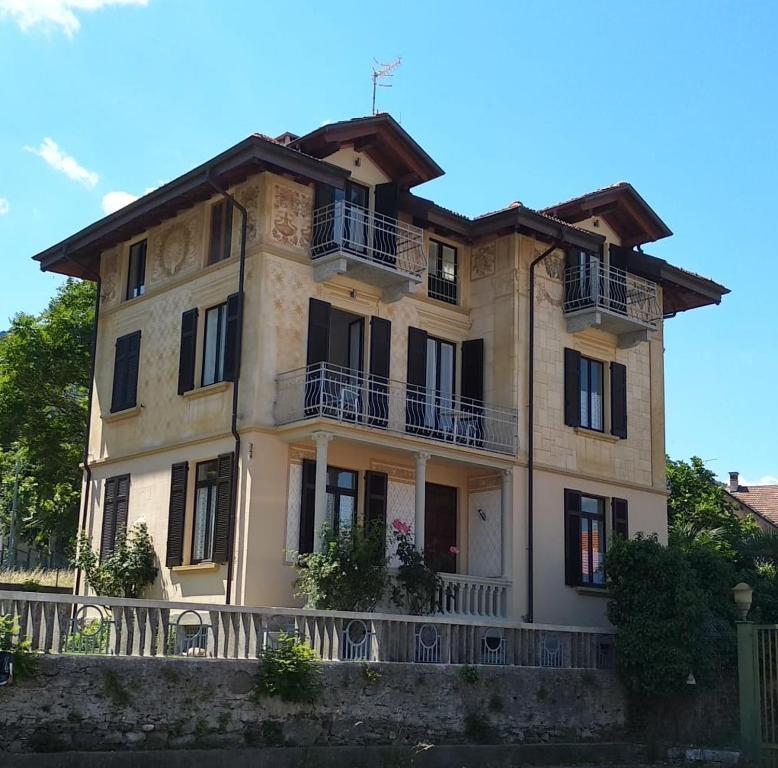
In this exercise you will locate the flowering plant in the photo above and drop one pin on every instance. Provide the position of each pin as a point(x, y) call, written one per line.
point(417, 585)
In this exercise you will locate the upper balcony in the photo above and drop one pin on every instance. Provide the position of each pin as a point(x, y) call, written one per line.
point(606, 297)
point(347, 396)
point(368, 246)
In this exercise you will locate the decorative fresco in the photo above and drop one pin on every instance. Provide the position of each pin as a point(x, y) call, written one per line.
point(291, 216)
point(483, 260)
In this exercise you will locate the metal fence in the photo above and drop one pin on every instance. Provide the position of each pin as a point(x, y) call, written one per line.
point(116, 626)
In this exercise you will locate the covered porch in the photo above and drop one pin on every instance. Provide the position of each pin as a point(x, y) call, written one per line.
point(458, 506)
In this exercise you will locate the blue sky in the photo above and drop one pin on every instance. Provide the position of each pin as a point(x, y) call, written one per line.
point(535, 101)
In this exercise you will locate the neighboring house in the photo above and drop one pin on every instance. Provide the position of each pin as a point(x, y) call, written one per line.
point(759, 502)
point(351, 351)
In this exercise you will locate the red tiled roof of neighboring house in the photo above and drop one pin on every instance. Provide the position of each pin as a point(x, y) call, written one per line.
point(761, 498)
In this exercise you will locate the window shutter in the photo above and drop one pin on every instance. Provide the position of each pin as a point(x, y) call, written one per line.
point(620, 517)
point(224, 490)
point(380, 351)
point(376, 486)
point(473, 369)
point(387, 199)
point(109, 517)
point(187, 352)
point(572, 387)
point(619, 400)
point(416, 379)
point(307, 504)
point(572, 538)
point(318, 331)
point(176, 514)
point(231, 337)
point(387, 202)
point(121, 505)
point(125, 372)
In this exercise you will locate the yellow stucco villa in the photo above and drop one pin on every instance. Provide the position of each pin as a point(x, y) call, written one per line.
point(287, 335)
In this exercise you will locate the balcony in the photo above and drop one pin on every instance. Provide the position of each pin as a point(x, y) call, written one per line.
point(368, 246)
point(374, 403)
point(601, 296)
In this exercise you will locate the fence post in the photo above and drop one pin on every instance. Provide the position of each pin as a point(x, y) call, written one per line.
point(748, 689)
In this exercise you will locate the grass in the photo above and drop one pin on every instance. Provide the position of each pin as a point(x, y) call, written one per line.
point(40, 576)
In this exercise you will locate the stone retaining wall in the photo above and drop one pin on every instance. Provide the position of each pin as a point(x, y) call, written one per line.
point(93, 703)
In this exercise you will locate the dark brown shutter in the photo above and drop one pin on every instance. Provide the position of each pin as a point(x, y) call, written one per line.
point(572, 538)
point(572, 387)
point(380, 352)
point(122, 504)
point(307, 507)
point(318, 331)
point(125, 372)
point(619, 400)
point(416, 379)
point(620, 519)
point(187, 351)
point(176, 514)
point(376, 486)
point(387, 201)
point(224, 490)
point(473, 369)
point(109, 517)
point(231, 338)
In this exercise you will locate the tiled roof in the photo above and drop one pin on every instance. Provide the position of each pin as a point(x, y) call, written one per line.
point(594, 192)
point(762, 498)
point(519, 204)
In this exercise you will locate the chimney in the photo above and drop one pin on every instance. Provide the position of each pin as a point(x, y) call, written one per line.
point(734, 481)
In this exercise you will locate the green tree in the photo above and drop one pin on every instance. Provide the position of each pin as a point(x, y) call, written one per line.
point(44, 380)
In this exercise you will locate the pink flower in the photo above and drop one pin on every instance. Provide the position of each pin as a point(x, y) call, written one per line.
point(452, 550)
point(400, 527)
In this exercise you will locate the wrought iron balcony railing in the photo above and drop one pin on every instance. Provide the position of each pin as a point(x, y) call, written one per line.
point(353, 397)
point(595, 286)
point(358, 233)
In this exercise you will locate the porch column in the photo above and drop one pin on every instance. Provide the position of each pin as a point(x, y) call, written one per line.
point(321, 439)
point(421, 498)
point(506, 528)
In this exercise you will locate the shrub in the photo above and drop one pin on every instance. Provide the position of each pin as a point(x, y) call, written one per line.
point(418, 584)
point(291, 671)
point(349, 574)
point(126, 571)
point(24, 660)
point(662, 617)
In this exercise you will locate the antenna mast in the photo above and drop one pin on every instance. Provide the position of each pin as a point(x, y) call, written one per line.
point(383, 72)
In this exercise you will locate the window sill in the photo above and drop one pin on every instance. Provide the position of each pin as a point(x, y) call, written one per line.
point(195, 567)
point(593, 591)
point(210, 389)
point(120, 415)
point(596, 435)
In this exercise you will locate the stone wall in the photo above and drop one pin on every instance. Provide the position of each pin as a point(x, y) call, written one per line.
point(92, 703)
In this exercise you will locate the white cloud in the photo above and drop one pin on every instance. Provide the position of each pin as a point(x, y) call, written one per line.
point(64, 163)
point(5, 206)
point(113, 201)
point(58, 14)
point(764, 480)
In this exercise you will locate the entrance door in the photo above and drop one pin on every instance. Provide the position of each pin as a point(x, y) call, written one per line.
point(440, 527)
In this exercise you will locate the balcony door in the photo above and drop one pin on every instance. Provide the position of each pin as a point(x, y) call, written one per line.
point(355, 229)
point(439, 394)
point(440, 527)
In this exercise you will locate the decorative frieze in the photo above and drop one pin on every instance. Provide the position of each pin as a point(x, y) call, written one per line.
point(396, 472)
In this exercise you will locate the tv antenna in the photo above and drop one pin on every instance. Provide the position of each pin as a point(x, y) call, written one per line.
point(383, 72)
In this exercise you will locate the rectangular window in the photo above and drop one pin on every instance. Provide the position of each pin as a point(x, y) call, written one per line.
point(136, 275)
point(215, 344)
point(220, 244)
point(584, 539)
point(125, 372)
point(442, 272)
point(206, 488)
point(341, 498)
point(591, 394)
point(439, 392)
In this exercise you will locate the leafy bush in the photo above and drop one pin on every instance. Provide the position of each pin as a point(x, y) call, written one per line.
point(126, 571)
point(290, 670)
point(349, 574)
point(418, 584)
point(24, 660)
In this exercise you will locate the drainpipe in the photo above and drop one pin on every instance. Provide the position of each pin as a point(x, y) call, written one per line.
point(235, 383)
point(85, 459)
point(531, 429)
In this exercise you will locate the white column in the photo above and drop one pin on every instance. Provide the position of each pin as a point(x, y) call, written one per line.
point(322, 440)
point(421, 498)
point(506, 528)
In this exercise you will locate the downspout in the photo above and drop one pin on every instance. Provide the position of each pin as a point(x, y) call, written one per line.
point(531, 429)
point(235, 383)
point(85, 459)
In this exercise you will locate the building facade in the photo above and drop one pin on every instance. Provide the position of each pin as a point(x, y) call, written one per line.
point(289, 336)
